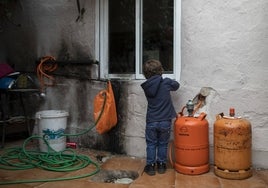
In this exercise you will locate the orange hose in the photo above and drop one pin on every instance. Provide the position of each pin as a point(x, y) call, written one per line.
point(43, 69)
point(197, 106)
point(170, 152)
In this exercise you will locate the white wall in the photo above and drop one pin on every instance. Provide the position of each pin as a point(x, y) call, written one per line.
point(225, 47)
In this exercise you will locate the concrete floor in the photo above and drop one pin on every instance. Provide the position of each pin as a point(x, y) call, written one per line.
point(115, 163)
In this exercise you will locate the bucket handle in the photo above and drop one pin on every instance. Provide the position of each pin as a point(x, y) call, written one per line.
point(39, 116)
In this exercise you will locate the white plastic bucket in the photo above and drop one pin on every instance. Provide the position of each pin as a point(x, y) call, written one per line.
point(51, 125)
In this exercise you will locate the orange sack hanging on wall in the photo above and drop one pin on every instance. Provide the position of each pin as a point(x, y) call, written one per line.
point(105, 115)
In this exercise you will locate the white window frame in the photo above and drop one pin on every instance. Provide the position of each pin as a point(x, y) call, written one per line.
point(101, 44)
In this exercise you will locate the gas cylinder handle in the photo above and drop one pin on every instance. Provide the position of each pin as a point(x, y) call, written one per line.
point(219, 116)
point(191, 108)
point(180, 114)
point(202, 116)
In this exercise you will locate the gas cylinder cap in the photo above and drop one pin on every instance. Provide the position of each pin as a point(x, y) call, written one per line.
point(232, 112)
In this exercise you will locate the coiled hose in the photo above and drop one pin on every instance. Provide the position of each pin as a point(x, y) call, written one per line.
point(47, 65)
point(64, 161)
point(20, 158)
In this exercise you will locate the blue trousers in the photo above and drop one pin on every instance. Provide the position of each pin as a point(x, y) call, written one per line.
point(157, 136)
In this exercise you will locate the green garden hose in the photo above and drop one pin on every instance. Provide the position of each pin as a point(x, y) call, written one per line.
point(20, 158)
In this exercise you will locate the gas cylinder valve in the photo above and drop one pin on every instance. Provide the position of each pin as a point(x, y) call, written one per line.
point(190, 108)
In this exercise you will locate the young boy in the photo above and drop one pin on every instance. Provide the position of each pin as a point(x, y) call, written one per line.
point(160, 112)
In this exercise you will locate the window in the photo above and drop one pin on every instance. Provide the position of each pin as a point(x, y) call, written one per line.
point(132, 31)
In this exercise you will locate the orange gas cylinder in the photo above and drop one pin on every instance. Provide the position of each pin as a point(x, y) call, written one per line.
point(232, 147)
point(191, 144)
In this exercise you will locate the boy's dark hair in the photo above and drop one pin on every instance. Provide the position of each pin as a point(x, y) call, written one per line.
point(151, 68)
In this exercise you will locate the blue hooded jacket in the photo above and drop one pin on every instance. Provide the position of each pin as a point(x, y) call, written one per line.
point(157, 91)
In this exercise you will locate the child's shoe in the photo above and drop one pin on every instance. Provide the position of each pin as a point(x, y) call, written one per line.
point(161, 168)
point(150, 169)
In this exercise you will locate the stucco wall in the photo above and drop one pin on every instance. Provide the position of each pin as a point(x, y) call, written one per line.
point(224, 46)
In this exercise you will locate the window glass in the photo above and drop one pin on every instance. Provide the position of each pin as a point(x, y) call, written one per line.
point(138, 30)
point(158, 32)
point(121, 37)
